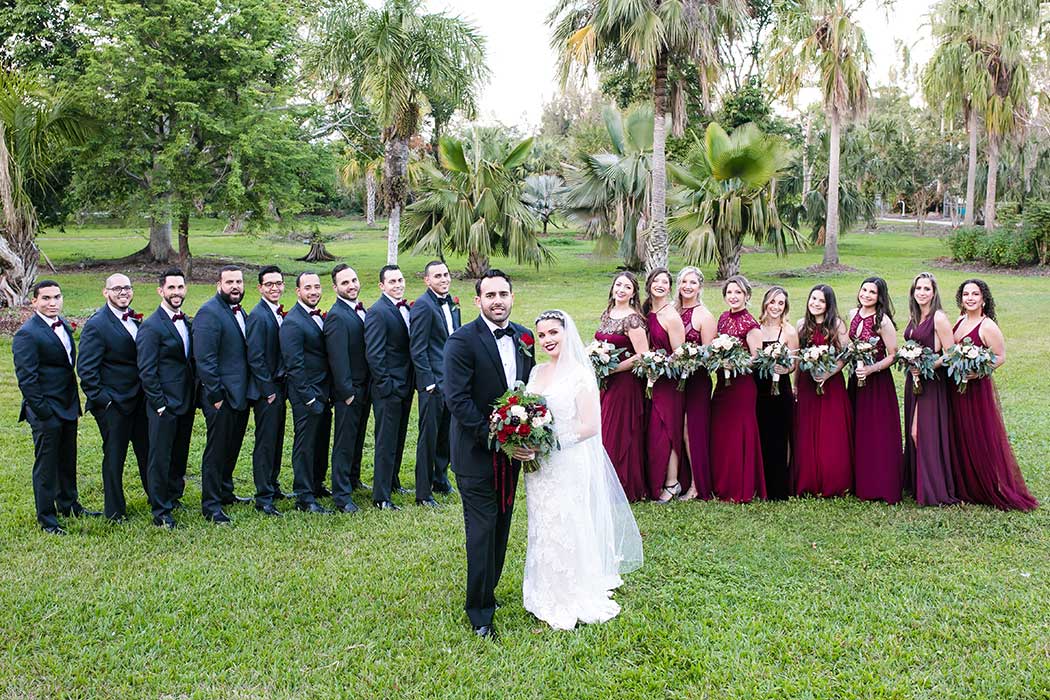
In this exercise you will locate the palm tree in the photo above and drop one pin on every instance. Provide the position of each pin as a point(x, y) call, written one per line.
point(358, 169)
point(36, 125)
point(543, 195)
point(728, 191)
point(393, 57)
point(475, 207)
point(652, 36)
point(819, 41)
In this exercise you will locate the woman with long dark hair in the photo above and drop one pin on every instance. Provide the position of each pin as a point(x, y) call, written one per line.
point(700, 328)
point(775, 412)
point(878, 468)
point(664, 436)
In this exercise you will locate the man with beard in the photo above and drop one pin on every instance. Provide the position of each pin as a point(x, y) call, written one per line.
point(109, 375)
point(165, 360)
point(221, 355)
point(344, 332)
point(309, 390)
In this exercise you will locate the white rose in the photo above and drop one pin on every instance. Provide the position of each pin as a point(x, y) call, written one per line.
point(537, 422)
point(518, 411)
point(604, 357)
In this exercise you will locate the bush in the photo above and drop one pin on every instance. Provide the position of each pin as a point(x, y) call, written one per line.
point(1037, 224)
point(1008, 214)
point(964, 243)
point(1003, 247)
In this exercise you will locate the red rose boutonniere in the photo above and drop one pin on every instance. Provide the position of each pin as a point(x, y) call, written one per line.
point(454, 306)
point(526, 342)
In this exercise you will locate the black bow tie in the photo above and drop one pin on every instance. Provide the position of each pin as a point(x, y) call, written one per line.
point(56, 324)
point(444, 300)
point(507, 332)
point(178, 317)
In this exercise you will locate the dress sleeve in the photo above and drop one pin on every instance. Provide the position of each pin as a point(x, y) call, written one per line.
point(634, 321)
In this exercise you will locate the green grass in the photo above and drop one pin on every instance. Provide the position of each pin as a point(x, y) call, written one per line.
point(804, 599)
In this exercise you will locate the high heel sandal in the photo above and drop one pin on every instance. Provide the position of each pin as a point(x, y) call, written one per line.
point(672, 491)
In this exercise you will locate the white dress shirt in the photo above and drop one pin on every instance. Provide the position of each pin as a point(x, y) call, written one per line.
point(129, 325)
point(181, 327)
point(402, 309)
point(276, 315)
point(316, 317)
point(60, 331)
point(353, 307)
point(507, 354)
point(446, 308)
point(239, 315)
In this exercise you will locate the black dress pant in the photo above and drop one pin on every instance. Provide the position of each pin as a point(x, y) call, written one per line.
point(362, 429)
point(432, 452)
point(225, 434)
point(324, 440)
point(391, 427)
point(119, 430)
point(54, 468)
point(169, 449)
point(487, 531)
point(269, 446)
point(349, 423)
point(307, 448)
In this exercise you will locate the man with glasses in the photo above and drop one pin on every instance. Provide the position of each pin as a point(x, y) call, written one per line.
point(109, 375)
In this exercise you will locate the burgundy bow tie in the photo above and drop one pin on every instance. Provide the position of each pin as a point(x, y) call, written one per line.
point(402, 303)
point(280, 310)
point(318, 312)
point(130, 313)
point(236, 308)
point(178, 317)
point(359, 307)
point(56, 324)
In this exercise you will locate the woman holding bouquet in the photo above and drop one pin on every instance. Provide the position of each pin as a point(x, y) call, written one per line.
point(664, 436)
point(623, 398)
point(736, 449)
point(985, 468)
point(775, 412)
point(878, 468)
point(823, 420)
point(927, 442)
point(700, 328)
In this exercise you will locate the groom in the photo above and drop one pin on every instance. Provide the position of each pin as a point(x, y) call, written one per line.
point(482, 360)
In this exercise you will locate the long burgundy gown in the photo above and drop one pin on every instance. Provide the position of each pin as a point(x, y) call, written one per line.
point(736, 448)
point(878, 465)
point(623, 410)
point(775, 420)
point(823, 457)
point(698, 417)
point(983, 463)
point(664, 435)
point(928, 463)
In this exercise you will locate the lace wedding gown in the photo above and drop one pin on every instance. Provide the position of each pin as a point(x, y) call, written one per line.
point(581, 532)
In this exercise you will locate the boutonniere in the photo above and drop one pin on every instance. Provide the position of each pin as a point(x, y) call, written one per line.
point(411, 303)
point(73, 326)
point(525, 343)
point(454, 306)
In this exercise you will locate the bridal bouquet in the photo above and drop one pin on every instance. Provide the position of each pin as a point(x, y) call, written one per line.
point(604, 359)
point(817, 360)
point(687, 360)
point(914, 354)
point(859, 353)
point(652, 366)
point(769, 359)
point(965, 358)
point(521, 419)
point(728, 355)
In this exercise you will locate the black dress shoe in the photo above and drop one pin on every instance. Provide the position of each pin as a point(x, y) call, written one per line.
point(428, 502)
point(165, 521)
point(218, 517)
point(385, 505)
point(350, 507)
point(443, 489)
point(53, 530)
point(280, 495)
point(269, 509)
point(401, 490)
point(361, 486)
point(322, 492)
point(485, 632)
point(312, 508)
point(79, 511)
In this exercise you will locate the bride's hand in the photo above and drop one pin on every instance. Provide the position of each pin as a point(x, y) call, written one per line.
point(523, 455)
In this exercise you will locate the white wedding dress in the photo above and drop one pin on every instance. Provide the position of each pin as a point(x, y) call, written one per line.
point(581, 532)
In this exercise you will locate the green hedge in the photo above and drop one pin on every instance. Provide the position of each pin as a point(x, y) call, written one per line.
point(1006, 246)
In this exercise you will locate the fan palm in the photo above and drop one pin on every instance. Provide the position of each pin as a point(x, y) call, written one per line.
point(543, 195)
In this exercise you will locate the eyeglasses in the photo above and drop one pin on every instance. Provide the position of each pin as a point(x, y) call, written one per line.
point(272, 285)
point(120, 290)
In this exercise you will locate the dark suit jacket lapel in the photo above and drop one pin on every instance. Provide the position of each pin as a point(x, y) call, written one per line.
point(519, 354)
point(47, 330)
point(435, 308)
point(488, 341)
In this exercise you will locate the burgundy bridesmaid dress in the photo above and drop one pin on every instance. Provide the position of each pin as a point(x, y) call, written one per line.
point(927, 462)
point(823, 445)
point(775, 425)
point(736, 449)
point(983, 463)
point(623, 410)
point(698, 418)
point(664, 435)
point(878, 464)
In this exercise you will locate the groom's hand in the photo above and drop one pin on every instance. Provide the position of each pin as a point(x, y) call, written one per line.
point(523, 455)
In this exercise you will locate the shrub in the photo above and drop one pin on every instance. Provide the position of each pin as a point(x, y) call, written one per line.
point(1006, 247)
point(1008, 214)
point(1037, 224)
point(964, 243)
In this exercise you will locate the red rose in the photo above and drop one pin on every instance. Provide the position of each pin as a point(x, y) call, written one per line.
point(524, 429)
point(73, 325)
point(526, 338)
point(455, 300)
point(513, 400)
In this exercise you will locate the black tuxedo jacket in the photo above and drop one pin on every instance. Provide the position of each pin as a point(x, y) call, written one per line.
point(166, 372)
point(221, 354)
point(305, 360)
point(265, 362)
point(387, 349)
point(428, 334)
point(44, 372)
point(344, 334)
point(474, 379)
point(108, 363)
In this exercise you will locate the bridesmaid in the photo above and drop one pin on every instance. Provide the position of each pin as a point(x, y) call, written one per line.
point(984, 466)
point(623, 396)
point(776, 413)
point(736, 450)
point(823, 422)
point(927, 446)
point(879, 471)
point(666, 410)
point(700, 328)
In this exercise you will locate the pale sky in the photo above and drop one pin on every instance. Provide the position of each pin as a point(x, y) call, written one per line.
point(523, 64)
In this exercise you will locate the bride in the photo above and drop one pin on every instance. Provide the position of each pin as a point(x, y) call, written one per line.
point(581, 532)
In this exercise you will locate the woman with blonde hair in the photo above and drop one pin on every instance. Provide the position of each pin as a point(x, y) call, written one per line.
point(776, 412)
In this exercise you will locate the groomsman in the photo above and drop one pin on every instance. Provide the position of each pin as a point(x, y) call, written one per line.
point(344, 332)
point(433, 317)
point(109, 376)
point(44, 356)
point(309, 389)
point(221, 356)
point(165, 359)
point(268, 392)
point(389, 359)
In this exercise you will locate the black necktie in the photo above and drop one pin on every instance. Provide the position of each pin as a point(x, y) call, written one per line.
point(178, 317)
point(507, 332)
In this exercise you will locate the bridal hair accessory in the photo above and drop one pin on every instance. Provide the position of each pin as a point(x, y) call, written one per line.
point(552, 316)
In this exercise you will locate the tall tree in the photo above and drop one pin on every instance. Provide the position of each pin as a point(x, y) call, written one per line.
point(393, 57)
point(653, 35)
point(819, 42)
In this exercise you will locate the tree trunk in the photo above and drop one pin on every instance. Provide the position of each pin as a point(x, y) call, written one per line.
point(370, 198)
point(159, 248)
point(807, 166)
point(393, 231)
point(395, 171)
point(477, 264)
point(435, 141)
point(971, 169)
point(729, 262)
point(831, 235)
point(235, 224)
point(656, 239)
point(993, 176)
point(185, 257)
point(18, 252)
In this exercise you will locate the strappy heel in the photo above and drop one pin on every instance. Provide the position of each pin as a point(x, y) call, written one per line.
point(673, 491)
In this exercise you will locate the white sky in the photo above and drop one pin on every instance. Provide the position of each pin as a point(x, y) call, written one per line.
point(523, 65)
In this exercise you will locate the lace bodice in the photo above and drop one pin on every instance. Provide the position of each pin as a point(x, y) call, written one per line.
point(737, 324)
point(614, 330)
point(566, 393)
point(863, 327)
point(692, 335)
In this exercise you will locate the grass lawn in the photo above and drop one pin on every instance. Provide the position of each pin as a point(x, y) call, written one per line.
point(804, 599)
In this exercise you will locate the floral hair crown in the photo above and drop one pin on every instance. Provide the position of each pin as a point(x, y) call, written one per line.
point(551, 316)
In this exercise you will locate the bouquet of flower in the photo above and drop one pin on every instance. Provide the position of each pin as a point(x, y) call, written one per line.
point(728, 355)
point(817, 360)
point(769, 358)
point(604, 359)
point(859, 353)
point(521, 419)
point(687, 360)
point(965, 358)
point(914, 354)
point(653, 365)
